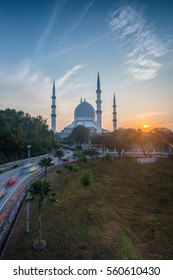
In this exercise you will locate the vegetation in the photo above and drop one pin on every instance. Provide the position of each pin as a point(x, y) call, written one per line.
point(92, 153)
point(67, 141)
point(82, 155)
point(121, 139)
point(41, 191)
point(126, 213)
point(80, 134)
point(9, 168)
point(59, 153)
point(85, 178)
point(18, 130)
point(160, 139)
point(45, 162)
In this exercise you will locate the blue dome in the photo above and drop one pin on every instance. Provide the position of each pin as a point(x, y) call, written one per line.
point(84, 111)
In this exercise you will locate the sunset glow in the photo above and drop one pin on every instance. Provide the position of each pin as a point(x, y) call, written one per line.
point(128, 42)
point(146, 126)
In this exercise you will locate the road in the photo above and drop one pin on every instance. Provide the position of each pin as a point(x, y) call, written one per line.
point(21, 177)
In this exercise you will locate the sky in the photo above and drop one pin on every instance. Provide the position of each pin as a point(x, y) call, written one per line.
point(130, 43)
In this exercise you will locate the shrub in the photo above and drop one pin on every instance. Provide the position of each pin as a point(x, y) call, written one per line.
point(15, 165)
point(76, 168)
point(85, 178)
point(70, 166)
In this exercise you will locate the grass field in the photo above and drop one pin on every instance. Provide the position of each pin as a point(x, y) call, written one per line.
point(125, 213)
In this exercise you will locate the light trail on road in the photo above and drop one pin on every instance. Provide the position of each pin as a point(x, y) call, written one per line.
point(12, 193)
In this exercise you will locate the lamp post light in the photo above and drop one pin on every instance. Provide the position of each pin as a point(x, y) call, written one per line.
point(27, 203)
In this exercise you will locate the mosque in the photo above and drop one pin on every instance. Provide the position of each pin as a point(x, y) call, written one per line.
point(84, 114)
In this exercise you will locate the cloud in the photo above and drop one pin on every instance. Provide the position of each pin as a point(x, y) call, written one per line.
point(150, 114)
point(17, 73)
point(144, 115)
point(53, 18)
point(56, 53)
point(68, 74)
point(81, 85)
point(22, 74)
point(143, 48)
point(20, 83)
point(80, 18)
point(24, 87)
point(22, 71)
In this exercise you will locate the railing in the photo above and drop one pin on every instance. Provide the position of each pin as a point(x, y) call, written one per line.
point(22, 161)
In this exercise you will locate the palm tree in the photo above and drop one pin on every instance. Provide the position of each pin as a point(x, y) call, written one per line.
point(42, 191)
point(59, 153)
point(45, 162)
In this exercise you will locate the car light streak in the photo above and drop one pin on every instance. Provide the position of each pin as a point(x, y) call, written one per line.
point(15, 189)
point(12, 193)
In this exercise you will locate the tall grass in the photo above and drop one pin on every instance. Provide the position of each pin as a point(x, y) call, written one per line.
point(127, 247)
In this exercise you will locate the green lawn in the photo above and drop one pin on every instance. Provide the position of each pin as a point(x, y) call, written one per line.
point(125, 213)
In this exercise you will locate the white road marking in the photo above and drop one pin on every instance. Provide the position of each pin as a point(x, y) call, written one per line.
point(12, 193)
point(16, 188)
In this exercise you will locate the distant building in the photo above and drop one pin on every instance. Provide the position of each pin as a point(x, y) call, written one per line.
point(84, 114)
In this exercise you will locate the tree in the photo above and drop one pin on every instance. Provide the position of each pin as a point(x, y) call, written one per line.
point(92, 153)
point(59, 153)
point(162, 138)
point(41, 191)
point(18, 130)
point(144, 141)
point(100, 141)
point(80, 134)
point(68, 141)
point(117, 140)
point(80, 155)
point(45, 162)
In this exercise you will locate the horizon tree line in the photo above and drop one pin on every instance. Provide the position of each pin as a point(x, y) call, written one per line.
point(19, 129)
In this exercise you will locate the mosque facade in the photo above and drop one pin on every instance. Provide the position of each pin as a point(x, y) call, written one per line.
point(84, 114)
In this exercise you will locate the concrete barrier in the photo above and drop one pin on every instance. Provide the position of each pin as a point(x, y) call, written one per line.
point(146, 160)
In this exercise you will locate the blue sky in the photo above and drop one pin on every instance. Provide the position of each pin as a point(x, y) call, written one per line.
point(130, 43)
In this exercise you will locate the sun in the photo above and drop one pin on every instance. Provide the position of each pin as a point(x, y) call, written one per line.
point(145, 126)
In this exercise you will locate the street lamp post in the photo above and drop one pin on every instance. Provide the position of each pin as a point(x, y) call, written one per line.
point(27, 203)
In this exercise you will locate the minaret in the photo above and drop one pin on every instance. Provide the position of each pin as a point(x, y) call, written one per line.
point(98, 103)
point(114, 114)
point(53, 115)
